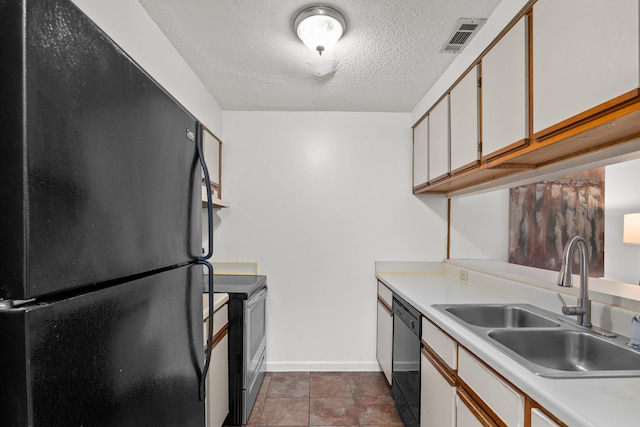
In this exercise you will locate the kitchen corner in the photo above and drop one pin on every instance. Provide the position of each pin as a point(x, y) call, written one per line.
point(578, 401)
point(219, 299)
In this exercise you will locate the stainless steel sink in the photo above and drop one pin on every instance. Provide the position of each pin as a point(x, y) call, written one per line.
point(547, 343)
point(568, 353)
point(500, 316)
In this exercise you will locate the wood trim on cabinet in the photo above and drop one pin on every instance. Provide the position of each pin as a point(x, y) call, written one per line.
point(384, 305)
point(218, 179)
point(530, 404)
point(589, 116)
point(476, 409)
point(439, 178)
point(437, 363)
point(448, 229)
point(480, 404)
point(466, 179)
point(444, 365)
point(421, 119)
point(220, 335)
point(514, 166)
point(479, 136)
point(420, 188)
point(413, 157)
point(214, 186)
point(464, 168)
point(505, 150)
point(529, 23)
point(617, 126)
point(497, 374)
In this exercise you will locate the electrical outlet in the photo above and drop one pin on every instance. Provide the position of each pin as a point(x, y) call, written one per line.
point(464, 275)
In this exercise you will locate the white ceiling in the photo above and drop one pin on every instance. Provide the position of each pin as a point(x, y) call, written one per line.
point(249, 58)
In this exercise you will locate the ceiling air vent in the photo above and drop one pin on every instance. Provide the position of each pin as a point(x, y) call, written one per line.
point(463, 32)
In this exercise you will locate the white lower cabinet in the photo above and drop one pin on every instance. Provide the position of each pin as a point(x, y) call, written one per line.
point(540, 419)
point(384, 344)
point(465, 416)
point(458, 389)
point(217, 399)
point(218, 385)
point(506, 402)
point(437, 395)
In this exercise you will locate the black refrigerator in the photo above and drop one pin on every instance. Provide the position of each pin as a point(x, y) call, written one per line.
point(100, 231)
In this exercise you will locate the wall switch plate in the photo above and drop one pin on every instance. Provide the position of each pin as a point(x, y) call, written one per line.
point(464, 275)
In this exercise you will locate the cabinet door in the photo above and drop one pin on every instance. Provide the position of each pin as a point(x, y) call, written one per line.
point(385, 339)
point(421, 153)
point(505, 88)
point(437, 395)
point(445, 347)
point(217, 405)
point(585, 53)
point(540, 419)
point(469, 414)
point(505, 401)
point(212, 148)
point(464, 123)
point(439, 140)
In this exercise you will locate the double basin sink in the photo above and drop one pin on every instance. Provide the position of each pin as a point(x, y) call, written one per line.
point(546, 343)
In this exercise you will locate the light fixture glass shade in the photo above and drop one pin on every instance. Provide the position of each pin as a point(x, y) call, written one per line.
point(319, 28)
point(631, 233)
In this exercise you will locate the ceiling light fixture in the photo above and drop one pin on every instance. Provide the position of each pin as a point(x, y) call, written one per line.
point(319, 27)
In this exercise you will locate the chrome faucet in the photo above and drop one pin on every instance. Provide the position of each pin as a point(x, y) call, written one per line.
point(583, 308)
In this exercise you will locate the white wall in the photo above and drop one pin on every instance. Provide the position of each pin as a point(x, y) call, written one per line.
point(480, 226)
point(128, 24)
point(621, 260)
point(316, 198)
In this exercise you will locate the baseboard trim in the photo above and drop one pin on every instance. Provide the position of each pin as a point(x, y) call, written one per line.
point(323, 366)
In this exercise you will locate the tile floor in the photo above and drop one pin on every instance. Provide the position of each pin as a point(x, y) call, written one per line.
point(324, 399)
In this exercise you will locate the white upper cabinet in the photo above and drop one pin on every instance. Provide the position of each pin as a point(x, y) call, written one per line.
point(439, 140)
point(211, 146)
point(421, 153)
point(585, 53)
point(464, 122)
point(505, 87)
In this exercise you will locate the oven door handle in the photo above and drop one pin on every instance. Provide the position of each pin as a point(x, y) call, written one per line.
point(256, 299)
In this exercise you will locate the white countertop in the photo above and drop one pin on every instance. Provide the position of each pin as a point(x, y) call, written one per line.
point(577, 402)
point(219, 299)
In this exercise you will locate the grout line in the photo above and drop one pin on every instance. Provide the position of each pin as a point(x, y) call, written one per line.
point(266, 393)
point(309, 412)
point(353, 397)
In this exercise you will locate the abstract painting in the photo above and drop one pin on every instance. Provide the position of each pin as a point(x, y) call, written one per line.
point(544, 215)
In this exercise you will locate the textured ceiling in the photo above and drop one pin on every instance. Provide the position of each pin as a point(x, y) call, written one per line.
point(248, 56)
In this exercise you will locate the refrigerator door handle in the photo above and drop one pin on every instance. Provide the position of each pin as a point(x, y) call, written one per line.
point(199, 139)
point(207, 362)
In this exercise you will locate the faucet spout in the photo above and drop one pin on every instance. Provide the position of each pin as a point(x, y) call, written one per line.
point(583, 308)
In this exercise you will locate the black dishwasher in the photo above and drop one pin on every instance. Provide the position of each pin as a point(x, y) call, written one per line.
point(405, 388)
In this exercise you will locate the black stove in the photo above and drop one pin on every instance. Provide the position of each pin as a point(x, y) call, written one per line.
point(247, 340)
